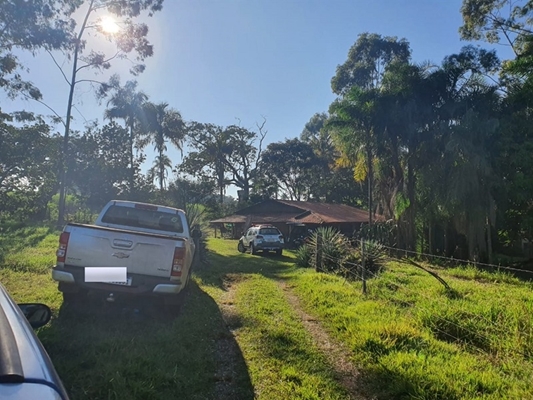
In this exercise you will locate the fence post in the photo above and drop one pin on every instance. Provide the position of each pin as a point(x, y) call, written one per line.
point(318, 251)
point(363, 267)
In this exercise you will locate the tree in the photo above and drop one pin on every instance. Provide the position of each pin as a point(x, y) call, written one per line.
point(28, 25)
point(127, 103)
point(27, 165)
point(99, 166)
point(128, 38)
point(206, 160)
point(367, 61)
point(242, 157)
point(358, 83)
point(159, 125)
point(229, 154)
point(287, 165)
point(351, 125)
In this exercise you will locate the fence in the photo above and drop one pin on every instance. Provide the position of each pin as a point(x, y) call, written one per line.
point(360, 273)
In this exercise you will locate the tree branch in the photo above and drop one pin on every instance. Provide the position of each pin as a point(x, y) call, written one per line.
point(263, 135)
point(90, 80)
point(58, 66)
point(47, 106)
point(98, 63)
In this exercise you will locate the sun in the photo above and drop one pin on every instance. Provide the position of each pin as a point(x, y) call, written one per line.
point(109, 25)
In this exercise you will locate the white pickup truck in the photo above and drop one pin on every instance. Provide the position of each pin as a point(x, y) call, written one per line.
point(153, 243)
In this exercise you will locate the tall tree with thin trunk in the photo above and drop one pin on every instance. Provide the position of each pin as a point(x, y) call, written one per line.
point(127, 103)
point(129, 37)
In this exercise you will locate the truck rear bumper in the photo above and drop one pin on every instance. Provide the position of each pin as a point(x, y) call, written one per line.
point(140, 284)
point(62, 276)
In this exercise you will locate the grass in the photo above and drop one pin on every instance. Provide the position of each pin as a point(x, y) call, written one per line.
point(424, 343)
point(283, 362)
point(107, 351)
point(408, 336)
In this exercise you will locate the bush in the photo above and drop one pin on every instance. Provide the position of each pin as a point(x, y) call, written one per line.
point(334, 248)
point(375, 256)
point(195, 214)
point(304, 256)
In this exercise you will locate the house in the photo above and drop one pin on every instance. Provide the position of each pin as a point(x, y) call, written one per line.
point(293, 217)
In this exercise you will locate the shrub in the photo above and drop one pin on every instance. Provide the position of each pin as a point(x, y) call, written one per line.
point(374, 255)
point(304, 256)
point(195, 214)
point(334, 247)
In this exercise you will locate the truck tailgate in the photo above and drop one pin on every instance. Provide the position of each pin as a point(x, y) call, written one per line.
point(140, 254)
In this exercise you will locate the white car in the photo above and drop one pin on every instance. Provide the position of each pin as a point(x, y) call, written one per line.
point(263, 238)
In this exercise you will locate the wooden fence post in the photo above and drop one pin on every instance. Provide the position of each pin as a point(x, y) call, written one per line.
point(363, 267)
point(318, 251)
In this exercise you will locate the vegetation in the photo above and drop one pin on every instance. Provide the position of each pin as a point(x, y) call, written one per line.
point(441, 151)
point(438, 154)
point(408, 337)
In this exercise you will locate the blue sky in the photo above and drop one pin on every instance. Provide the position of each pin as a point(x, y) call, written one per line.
point(219, 61)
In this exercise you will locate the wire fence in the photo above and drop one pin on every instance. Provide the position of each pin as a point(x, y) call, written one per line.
point(358, 273)
point(497, 267)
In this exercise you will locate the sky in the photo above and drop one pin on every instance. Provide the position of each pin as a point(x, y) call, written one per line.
point(239, 61)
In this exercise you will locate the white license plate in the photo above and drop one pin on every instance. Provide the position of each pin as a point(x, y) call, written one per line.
point(127, 283)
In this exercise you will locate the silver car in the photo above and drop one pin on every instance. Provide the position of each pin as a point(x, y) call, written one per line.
point(262, 238)
point(26, 371)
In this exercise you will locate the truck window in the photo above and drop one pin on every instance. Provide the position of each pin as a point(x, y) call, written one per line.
point(140, 218)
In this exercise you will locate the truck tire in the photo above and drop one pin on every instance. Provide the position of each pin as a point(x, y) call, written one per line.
point(253, 251)
point(241, 248)
point(279, 252)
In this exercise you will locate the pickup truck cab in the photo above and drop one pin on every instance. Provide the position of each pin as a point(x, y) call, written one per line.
point(153, 243)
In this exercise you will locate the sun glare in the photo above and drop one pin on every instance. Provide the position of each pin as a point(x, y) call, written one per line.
point(109, 25)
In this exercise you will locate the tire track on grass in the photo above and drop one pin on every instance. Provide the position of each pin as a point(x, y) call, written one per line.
point(227, 352)
point(335, 352)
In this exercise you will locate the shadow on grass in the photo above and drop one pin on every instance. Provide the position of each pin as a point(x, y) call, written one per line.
point(268, 265)
point(130, 349)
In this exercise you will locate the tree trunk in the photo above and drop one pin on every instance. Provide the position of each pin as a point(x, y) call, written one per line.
point(370, 179)
point(132, 168)
point(410, 212)
point(430, 238)
point(63, 166)
point(489, 241)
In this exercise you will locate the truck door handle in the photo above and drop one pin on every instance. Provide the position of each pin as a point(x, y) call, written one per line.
point(126, 244)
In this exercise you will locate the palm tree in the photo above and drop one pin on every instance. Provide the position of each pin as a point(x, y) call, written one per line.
point(159, 125)
point(352, 127)
point(159, 169)
point(127, 104)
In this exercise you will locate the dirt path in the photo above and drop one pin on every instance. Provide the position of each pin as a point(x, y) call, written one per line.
point(227, 350)
point(335, 352)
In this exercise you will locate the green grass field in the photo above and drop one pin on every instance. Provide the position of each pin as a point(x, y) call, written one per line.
point(408, 336)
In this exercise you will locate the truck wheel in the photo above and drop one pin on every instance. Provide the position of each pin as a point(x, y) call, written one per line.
point(279, 252)
point(252, 249)
point(240, 247)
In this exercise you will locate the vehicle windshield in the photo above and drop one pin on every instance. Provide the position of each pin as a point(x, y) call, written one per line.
point(268, 231)
point(141, 218)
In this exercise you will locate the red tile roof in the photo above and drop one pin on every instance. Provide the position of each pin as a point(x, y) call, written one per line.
point(304, 212)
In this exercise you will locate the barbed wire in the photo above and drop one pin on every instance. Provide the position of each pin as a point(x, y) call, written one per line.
point(456, 260)
point(480, 318)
